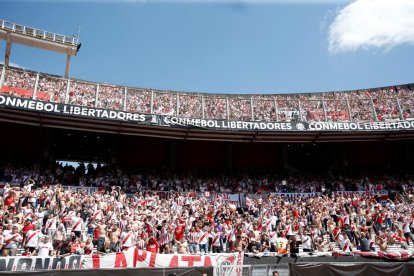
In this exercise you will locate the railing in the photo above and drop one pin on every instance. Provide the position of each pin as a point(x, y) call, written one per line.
point(255, 270)
point(383, 104)
point(29, 31)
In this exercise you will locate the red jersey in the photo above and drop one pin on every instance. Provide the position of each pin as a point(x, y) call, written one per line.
point(9, 201)
point(153, 247)
point(96, 233)
point(179, 232)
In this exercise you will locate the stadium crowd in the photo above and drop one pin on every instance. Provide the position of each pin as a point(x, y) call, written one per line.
point(384, 104)
point(40, 216)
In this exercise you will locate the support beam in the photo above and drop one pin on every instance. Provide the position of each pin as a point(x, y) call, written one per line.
point(67, 66)
point(8, 51)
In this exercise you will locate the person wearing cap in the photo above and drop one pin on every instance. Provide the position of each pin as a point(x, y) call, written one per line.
point(44, 247)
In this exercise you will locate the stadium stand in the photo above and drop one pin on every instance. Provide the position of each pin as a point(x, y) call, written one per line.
point(383, 104)
point(184, 212)
point(58, 210)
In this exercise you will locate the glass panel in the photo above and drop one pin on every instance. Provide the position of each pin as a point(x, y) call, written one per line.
point(215, 107)
point(360, 105)
point(29, 31)
point(39, 33)
point(18, 83)
point(264, 108)
point(82, 93)
point(18, 28)
point(164, 103)
point(240, 109)
point(138, 100)
point(190, 106)
point(111, 97)
point(312, 110)
point(336, 107)
point(51, 89)
point(49, 35)
point(59, 38)
point(385, 104)
point(287, 108)
point(8, 25)
point(406, 96)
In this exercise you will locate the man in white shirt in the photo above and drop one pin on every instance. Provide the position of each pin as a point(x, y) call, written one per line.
point(51, 225)
point(44, 247)
point(13, 241)
point(77, 225)
point(202, 243)
point(216, 241)
point(127, 238)
point(32, 238)
point(306, 243)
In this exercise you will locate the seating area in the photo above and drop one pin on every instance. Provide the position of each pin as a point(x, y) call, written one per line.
point(381, 104)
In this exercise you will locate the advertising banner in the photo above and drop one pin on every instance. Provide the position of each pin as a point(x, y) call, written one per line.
point(11, 102)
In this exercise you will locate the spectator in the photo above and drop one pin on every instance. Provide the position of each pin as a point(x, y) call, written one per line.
point(44, 247)
point(13, 240)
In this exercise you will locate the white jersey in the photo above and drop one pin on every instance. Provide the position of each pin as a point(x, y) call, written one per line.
point(406, 227)
point(345, 243)
point(216, 239)
point(51, 224)
point(127, 239)
point(43, 249)
point(32, 238)
point(203, 237)
point(77, 224)
point(97, 215)
point(12, 240)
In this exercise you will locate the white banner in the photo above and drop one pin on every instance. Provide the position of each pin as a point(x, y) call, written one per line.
point(135, 258)
point(40, 263)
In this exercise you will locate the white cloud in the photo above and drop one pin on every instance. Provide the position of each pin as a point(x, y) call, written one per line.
point(12, 64)
point(366, 24)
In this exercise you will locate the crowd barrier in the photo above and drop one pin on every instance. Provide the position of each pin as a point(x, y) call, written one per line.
point(131, 258)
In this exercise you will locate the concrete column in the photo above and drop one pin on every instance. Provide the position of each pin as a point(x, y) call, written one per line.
point(67, 66)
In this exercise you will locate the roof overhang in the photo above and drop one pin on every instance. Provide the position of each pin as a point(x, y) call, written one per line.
point(126, 128)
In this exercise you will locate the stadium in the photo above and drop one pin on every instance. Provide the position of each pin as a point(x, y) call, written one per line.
point(186, 183)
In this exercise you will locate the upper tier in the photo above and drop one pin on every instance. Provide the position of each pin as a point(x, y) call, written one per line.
point(368, 105)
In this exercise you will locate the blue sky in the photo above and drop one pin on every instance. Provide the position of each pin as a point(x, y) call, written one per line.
point(238, 46)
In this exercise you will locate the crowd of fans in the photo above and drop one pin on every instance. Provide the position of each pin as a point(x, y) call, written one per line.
point(51, 89)
point(111, 97)
point(392, 103)
point(138, 101)
point(40, 216)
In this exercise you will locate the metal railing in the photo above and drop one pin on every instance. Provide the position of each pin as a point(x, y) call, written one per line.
point(33, 32)
point(285, 108)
